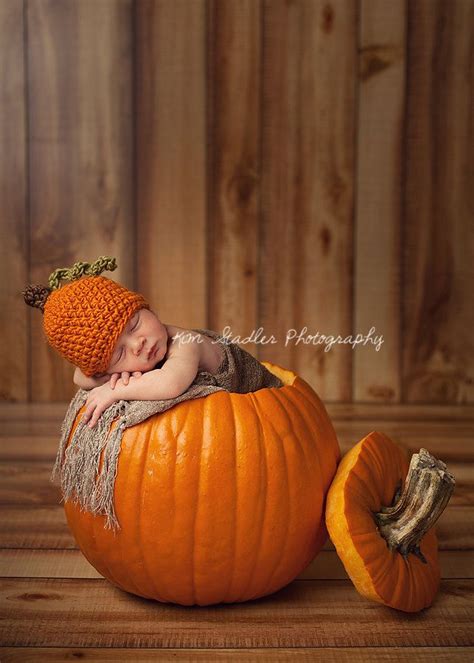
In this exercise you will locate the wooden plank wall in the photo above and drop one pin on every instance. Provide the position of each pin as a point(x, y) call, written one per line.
point(81, 191)
point(14, 240)
point(251, 163)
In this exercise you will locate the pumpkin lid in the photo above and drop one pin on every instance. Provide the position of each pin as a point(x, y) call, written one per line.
point(382, 532)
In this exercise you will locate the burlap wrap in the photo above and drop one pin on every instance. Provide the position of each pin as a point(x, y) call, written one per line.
point(77, 463)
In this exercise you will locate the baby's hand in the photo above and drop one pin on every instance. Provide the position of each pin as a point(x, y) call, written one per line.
point(98, 400)
point(125, 377)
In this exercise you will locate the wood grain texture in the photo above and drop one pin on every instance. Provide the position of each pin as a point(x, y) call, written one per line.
point(50, 563)
point(80, 153)
point(31, 434)
point(221, 150)
point(45, 527)
point(308, 186)
point(32, 516)
point(450, 443)
point(33, 563)
point(14, 318)
point(247, 654)
point(45, 582)
point(309, 613)
point(234, 164)
point(40, 527)
point(27, 481)
point(171, 158)
point(381, 107)
point(405, 413)
point(438, 268)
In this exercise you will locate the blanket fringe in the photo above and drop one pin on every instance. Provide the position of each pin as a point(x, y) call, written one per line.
point(77, 465)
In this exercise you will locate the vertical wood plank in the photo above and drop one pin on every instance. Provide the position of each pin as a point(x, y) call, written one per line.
point(308, 187)
point(234, 164)
point(171, 158)
point(438, 269)
point(81, 152)
point(381, 113)
point(13, 187)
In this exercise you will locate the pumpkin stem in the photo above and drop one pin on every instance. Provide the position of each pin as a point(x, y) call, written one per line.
point(428, 488)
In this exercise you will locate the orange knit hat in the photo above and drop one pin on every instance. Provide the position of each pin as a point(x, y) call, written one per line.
point(83, 319)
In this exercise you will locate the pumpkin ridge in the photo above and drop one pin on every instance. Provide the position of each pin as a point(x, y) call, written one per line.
point(304, 416)
point(383, 449)
point(263, 501)
point(281, 401)
point(321, 416)
point(387, 570)
point(272, 395)
point(310, 423)
point(138, 509)
point(301, 395)
point(376, 568)
point(405, 593)
point(280, 559)
point(321, 425)
point(174, 428)
point(408, 584)
point(202, 404)
point(236, 500)
point(173, 464)
point(94, 525)
point(365, 492)
point(339, 528)
point(373, 464)
point(422, 579)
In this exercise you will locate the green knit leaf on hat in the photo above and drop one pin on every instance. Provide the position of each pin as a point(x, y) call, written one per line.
point(80, 269)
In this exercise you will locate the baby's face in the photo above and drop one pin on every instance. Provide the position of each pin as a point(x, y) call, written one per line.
point(141, 345)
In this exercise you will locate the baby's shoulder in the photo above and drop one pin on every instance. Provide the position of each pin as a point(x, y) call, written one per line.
point(210, 353)
point(179, 336)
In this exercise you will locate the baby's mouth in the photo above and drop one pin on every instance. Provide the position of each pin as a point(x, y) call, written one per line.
point(152, 351)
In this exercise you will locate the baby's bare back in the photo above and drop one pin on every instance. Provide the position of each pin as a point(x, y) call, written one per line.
point(210, 353)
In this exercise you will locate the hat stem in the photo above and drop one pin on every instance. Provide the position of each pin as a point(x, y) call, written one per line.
point(80, 269)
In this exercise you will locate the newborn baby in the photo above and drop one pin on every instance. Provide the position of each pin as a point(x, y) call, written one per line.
point(122, 351)
point(150, 361)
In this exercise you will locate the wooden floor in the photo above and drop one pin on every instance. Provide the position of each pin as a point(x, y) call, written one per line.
point(55, 607)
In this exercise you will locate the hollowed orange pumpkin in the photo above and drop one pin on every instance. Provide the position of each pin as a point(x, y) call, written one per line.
point(219, 499)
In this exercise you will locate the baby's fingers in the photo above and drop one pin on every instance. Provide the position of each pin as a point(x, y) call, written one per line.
point(95, 417)
point(113, 380)
point(88, 412)
point(125, 377)
point(136, 374)
point(99, 409)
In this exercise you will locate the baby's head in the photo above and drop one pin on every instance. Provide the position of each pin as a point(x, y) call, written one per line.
point(91, 321)
point(141, 345)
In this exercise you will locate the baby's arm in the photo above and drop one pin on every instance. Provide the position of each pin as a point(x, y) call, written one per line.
point(170, 381)
point(176, 375)
point(88, 383)
point(84, 382)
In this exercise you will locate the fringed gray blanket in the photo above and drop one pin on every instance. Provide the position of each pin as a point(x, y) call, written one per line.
point(77, 464)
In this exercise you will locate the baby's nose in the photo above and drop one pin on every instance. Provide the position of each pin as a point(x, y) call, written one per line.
point(139, 345)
